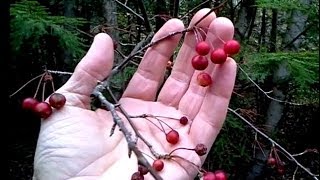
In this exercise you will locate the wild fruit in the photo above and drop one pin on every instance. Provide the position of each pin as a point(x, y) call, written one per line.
point(220, 175)
point(29, 103)
point(57, 100)
point(158, 165)
point(183, 120)
point(199, 62)
point(281, 170)
point(218, 56)
point(232, 47)
point(271, 161)
point(143, 170)
point(202, 48)
point(137, 176)
point(209, 176)
point(204, 79)
point(172, 137)
point(43, 109)
point(200, 149)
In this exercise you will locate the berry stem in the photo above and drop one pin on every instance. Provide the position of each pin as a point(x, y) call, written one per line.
point(52, 84)
point(190, 149)
point(38, 86)
point(43, 90)
point(26, 84)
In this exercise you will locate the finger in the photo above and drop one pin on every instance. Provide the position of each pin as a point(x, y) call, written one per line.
point(150, 73)
point(220, 30)
point(208, 122)
point(178, 82)
point(93, 67)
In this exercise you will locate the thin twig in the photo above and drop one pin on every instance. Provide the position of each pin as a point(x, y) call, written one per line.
point(60, 72)
point(193, 9)
point(275, 143)
point(211, 10)
point(128, 136)
point(129, 9)
point(264, 92)
point(26, 84)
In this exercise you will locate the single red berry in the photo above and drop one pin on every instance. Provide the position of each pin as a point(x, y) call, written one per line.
point(271, 161)
point(183, 120)
point(199, 62)
point(143, 170)
point(232, 47)
point(57, 100)
point(281, 170)
point(218, 56)
point(137, 176)
point(204, 79)
point(201, 149)
point(29, 103)
point(220, 175)
point(202, 48)
point(158, 165)
point(43, 109)
point(209, 176)
point(172, 136)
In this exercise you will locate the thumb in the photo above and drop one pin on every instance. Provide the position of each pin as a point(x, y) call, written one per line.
point(93, 67)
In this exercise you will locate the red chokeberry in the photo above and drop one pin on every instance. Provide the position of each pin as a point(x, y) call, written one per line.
point(57, 100)
point(199, 62)
point(200, 149)
point(172, 137)
point(183, 120)
point(218, 56)
point(232, 47)
point(137, 176)
point(202, 48)
point(271, 161)
point(209, 176)
point(29, 103)
point(204, 79)
point(158, 164)
point(43, 109)
point(220, 175)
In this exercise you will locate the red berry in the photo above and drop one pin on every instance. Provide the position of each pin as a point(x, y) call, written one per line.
point(158, 165)
point(172, 137)
point(218, 56)
point(183, 120)
point(57, 100)
point(201, 149)
point(202, 48)
point(199, 62)
point(231, 47)
point(29, 103)
point(209, 176)
point(204, 79)
point(280, 170)
point(43, 109)
point(143, 170)
point(137, 176)
point(220, 175)
point(271, 161)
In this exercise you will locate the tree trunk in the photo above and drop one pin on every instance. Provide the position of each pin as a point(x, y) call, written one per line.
point(246, 18)
point(280, 81)
point(110, 16)
point(68, 12)
point(160, 9)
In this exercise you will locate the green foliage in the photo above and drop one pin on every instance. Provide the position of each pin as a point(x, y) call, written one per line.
point(231, 145)
point(303, 67)
point(281, 4)
point(31, 23)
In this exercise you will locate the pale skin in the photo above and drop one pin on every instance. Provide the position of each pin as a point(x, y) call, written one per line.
point(74, 142)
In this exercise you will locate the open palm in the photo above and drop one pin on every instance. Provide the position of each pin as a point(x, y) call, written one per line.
point(74, 142)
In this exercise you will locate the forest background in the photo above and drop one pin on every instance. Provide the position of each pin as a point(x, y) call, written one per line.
point(276, 90)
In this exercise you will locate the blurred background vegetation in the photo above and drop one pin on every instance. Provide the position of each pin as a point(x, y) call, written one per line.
point(280, 52)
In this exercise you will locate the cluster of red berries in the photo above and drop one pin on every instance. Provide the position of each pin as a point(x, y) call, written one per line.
point(276, 162)
point(217, 56)
point(44, 109)
point(217, 175)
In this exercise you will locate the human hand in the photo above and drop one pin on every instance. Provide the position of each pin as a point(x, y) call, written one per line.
point(74, 141)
